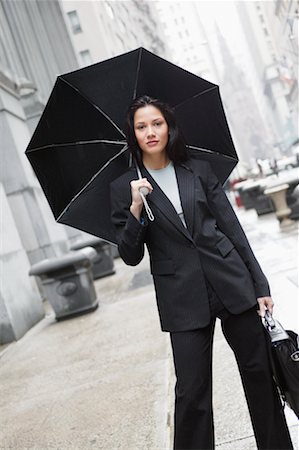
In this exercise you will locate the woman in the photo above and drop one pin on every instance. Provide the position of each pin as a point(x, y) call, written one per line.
point(203, 268)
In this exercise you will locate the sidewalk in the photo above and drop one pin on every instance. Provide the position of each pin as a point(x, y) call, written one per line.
point(277, 253)
point(105, 380)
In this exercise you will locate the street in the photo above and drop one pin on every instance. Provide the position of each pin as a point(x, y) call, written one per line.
point(105, 380)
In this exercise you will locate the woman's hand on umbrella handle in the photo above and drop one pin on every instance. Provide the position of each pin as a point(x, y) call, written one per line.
point(265, 303)
point(137, 203)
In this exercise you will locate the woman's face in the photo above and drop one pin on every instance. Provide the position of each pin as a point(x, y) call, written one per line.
point(151, 130)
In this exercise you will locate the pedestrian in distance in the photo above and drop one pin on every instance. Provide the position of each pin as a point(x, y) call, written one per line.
point(203, 268)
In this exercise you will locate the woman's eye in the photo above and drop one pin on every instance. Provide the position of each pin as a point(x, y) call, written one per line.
point(158, 123)
point(140, 127)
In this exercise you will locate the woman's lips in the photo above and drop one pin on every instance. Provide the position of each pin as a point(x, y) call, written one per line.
point(152, 143)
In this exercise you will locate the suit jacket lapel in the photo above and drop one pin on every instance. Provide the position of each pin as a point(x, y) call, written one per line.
point(161, 201)
point(185, 179)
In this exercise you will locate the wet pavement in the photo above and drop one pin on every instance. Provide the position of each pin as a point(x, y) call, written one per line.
point(105, 380)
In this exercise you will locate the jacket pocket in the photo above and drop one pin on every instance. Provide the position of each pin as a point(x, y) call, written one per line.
point(224, 246)
point(162, 267)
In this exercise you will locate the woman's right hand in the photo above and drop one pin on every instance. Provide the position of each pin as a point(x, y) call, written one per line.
point(137, 203)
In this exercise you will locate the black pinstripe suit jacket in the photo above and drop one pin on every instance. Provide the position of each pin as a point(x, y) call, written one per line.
point(213, 246)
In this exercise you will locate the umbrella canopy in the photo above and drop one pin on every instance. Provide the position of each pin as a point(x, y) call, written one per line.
point(79, 145)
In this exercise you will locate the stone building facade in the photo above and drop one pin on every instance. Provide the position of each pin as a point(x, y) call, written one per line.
point(103, 29)
point(34, 48)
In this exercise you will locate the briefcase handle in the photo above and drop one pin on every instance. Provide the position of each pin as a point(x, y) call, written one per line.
point(274, 328)
point(269, 320)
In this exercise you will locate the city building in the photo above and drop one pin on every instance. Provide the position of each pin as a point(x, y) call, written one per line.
point(34, 48)
point(264, 43)
point(283, 18)
point(248, 128)
point(102, 29)
point(187, 38)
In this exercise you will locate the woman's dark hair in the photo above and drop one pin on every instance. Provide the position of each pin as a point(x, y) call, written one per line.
point(176, 148)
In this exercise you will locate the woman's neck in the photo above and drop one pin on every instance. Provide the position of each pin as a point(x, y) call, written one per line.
point(156, 162)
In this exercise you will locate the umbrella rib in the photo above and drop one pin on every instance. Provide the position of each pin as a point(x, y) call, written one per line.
point(93, 104)
point(192, 147)
point(91, 180)
point(196, 95)
point(93, 141)
point(137, 73)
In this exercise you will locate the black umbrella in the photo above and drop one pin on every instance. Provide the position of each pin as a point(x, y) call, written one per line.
point(79, 146)
point(285, 361)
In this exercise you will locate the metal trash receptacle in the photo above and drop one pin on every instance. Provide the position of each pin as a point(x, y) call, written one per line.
point(67, 282)
point(103, 264)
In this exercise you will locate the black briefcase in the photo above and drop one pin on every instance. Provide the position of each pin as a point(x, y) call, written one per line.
point(284, 360)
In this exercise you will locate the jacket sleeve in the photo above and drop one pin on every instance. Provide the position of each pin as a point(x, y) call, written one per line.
point(229, 224)
point(129, 231)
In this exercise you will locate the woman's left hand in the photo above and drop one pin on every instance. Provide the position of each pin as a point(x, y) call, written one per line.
point(265, 303)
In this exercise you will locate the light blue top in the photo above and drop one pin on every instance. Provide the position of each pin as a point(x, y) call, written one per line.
point(166, 179)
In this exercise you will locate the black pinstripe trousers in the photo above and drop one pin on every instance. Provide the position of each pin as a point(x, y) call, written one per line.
point(192, 353)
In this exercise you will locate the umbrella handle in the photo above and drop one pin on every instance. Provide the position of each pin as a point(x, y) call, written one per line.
point(147, 208)
point(146, 205)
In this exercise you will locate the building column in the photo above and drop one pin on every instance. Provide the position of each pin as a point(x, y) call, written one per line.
point(20, 303)
point(40, 235)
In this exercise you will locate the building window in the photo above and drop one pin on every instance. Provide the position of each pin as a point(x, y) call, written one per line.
point(85, 57)
point(266, 32)
point(74, 21)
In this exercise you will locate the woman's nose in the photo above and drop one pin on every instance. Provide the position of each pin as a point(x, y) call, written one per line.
point(150, 131)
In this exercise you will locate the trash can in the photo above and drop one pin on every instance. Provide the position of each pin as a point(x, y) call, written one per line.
point(257, 199)
point(67, 282)
point(103, 263)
